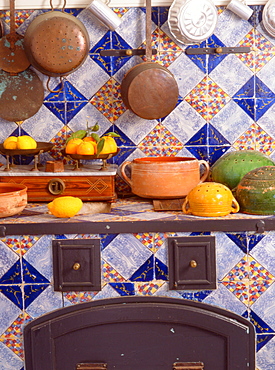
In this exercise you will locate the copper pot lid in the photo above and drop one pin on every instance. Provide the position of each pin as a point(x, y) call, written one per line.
point(192, 21)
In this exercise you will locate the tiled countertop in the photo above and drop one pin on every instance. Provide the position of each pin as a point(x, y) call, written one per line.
point(128, 215)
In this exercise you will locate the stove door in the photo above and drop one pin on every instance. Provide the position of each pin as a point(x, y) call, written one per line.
point(140, 334)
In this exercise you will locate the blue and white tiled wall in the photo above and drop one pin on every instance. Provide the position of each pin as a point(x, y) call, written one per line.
point(226, 102)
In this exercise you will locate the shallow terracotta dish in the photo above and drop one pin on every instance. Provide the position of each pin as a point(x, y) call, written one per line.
point(13, 199)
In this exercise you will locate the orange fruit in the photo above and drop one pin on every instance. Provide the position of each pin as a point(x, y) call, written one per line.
point(86, 148)
point(89, 138)
point(72, 145)
point(109, 146)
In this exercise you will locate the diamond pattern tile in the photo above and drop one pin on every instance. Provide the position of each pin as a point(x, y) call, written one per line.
point(106, 100)
point(148, 289)
point(257, 139)
point(20, 243)
point(207, 98)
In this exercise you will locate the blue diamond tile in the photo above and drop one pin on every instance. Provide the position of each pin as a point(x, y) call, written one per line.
point(200, 138)
point(247, 90)
point(122, 155)
point(214, 59)
point(13, 293)
point(161, 270)
point(58, 109)
point(215, 137)
point(240, 240)
point(73, 108)
point(215, 152)
point(253, 240)
point(196, 296)
point(200, 152)
point(248, 105)
point(13, 275)
point(105, 239)
point(261, 90)
point(73, 11)
point(200, 59)
point(155, 15)
point(57, 94)
point(262, 106)
point(124, 289)
point(145, 272)
point(256, 17)
point(110, 64)
point(264, 332)
point(31, 275)
point(162, 16)
point(31, 292)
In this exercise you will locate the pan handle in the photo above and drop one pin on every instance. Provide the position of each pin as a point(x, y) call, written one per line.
point(55, 91)
point(63, 7)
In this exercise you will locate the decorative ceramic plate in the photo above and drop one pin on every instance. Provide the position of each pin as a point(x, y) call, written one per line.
point(192, 21)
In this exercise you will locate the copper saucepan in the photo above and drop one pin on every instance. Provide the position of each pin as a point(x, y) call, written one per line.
point(56, 43)
point(149, 89)
point(13, 58)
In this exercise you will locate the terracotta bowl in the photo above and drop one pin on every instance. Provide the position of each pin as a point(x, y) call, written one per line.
point(13, 199)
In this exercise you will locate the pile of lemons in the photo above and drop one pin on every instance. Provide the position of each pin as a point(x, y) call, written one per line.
point(20, 142)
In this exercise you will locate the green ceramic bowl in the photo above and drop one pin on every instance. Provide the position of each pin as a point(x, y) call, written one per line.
point(255, 192)
point(231, 167)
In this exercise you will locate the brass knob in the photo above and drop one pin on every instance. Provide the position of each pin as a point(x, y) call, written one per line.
point(218, 50)
point(76, 266)
point(129, 52)
point(56, 186)
point(193, 263)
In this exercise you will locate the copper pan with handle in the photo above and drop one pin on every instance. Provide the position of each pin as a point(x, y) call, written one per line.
point(149, 89)
point(13, 57)
point(56, 42)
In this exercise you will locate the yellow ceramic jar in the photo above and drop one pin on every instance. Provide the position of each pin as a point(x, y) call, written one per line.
point(210, 199)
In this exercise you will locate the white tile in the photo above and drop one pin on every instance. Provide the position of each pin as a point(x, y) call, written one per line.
point(126, 254)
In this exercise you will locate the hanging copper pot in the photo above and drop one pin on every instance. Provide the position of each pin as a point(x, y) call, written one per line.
point(149, 89)
point(21, 95)
point(13, 58)
point(56, 43)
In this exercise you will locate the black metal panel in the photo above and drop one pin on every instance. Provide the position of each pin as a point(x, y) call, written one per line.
point(76, 264)
point(192, 262)
point(258, 225)
point(140, 333)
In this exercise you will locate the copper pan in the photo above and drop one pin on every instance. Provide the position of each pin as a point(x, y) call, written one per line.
point(149, 89)
point(56, 43)
point(21, 95)
point(13, 58)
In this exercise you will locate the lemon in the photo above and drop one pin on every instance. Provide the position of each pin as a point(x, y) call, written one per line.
point(66, 206)
point(10, 143)
point(26, 142)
